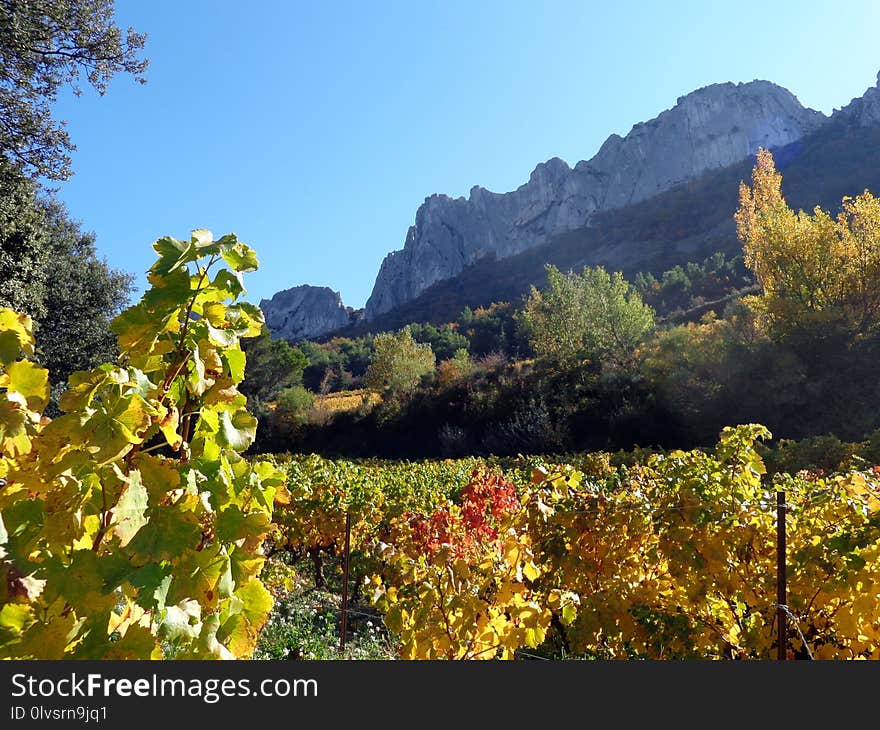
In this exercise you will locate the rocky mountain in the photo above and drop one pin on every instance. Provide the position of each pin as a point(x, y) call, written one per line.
point(306, 311)
point(686, 223)
point(862, 111)
point(708, 129)
point(662, 195)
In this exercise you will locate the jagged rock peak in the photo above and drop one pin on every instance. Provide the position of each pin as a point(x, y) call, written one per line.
point(305, 311)
point(709, 128)
point(863, 111)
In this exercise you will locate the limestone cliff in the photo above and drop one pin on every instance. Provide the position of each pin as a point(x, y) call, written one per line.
point(305, 311)
point(863, 111)
point(710, 128)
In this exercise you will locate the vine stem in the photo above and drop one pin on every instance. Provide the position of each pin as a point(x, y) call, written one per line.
point(96, 543)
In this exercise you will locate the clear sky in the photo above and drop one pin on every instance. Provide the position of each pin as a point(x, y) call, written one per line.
point(315, 130)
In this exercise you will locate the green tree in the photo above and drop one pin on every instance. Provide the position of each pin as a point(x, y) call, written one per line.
point(24, 256)
point(444, 341)
point(292, 410)
point(45, 45)
point(272, 366)
point(50, 270)
point(400, 362)
point(319, 361)
point(83, 294)
point(356, 354)
point(591, 317)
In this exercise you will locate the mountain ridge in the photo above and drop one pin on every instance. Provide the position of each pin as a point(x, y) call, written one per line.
point(708, 130)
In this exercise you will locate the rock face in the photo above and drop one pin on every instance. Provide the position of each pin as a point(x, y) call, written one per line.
point(305, 311)
point(862, 111)
point(710, 128)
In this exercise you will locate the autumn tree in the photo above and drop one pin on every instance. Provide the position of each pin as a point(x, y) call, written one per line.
point(46, 45)
point(593, 317)
point(817, 272)
point(454, 369)
point(399, 362)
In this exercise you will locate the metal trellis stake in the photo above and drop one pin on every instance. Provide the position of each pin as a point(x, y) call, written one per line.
point(345, 566)
point(781, 601)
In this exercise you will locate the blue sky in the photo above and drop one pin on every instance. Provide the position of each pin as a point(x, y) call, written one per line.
point(315, 130)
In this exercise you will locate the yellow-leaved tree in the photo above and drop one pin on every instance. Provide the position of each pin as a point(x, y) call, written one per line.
point(816, 270)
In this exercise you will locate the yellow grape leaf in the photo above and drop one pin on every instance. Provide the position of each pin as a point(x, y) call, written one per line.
point(14, 619)
point(16, 335)
point(240, 631)
point(169, 425)
point(215, 313)
point(530, 570)
point(138, 643)
point(29, 380)
point(48, 640)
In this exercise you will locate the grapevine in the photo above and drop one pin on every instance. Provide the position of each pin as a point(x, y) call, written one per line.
point(131, 526)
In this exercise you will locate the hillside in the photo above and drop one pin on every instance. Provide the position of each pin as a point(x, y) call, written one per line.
point(686, 223)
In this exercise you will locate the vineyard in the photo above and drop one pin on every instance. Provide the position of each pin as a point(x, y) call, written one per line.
point(673, 556)
point(132, 526)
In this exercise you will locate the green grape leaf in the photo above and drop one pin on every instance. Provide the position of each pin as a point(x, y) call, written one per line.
point(233, 524)
point(247, 319)
point(137, 327)
point(240, 257)
point(152, 582)
point(12, 427)
point(140, 384)
point(160, 475)
point(208, 647)
point(84, 384)
point(201, 576)
point(167, 536)
point(77, 581)
point(228, 284)
point(244, 565)
point(168, 293)
point(215, 313)
point(202, 237)
point(113, 433)
point(128, 515)
point(173, 254)
point(137, 643)
point(235, 360)
point(14, 619)
point(237, 431)
point(222, 337)
point(48, 640)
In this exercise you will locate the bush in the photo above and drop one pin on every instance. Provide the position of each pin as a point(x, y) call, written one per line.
point(293, 407)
